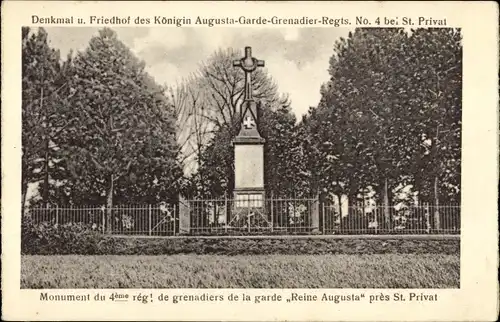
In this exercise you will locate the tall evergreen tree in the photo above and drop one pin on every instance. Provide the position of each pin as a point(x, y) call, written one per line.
point(122, 149)
point(42, 92)
point(437, 60)
point(390, 114)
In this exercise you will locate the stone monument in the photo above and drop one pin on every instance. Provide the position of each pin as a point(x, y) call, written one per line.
point(248, 144)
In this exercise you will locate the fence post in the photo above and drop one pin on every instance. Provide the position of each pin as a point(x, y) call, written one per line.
point(104, 230)
point(57, 214)
point(323, 215)
point(315, 215)
point(226, 212)
point(71, 214)
point(184, 216)
point(176, 211)
point(150, 219)
point(272, 213)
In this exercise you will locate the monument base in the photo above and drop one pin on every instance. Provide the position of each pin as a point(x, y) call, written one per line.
point(249, 209)
point(249, 197)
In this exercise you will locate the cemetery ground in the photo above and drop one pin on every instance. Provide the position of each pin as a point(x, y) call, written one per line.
point(250, 263)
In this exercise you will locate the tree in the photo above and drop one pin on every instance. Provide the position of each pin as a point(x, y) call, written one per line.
point(285, 171)
point(122, 147)
point(437, 59)
point(210, 99)
point(208, 104)
point(356, 125)
point(42, 88)
point(389, 96)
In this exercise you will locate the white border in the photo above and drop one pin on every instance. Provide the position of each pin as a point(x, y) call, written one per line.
point(478, 297)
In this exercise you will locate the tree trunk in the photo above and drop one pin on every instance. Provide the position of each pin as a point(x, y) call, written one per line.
point(427, 219)
point(437, 223)
point(353, 203)
point(24, 191)
point(109, 205)
point(436, 183)
point(339, 197)
point(46, 175)
point(363, 203)
point(387, 214)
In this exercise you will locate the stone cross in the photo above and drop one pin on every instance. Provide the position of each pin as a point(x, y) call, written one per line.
point(248, 64)
point(248, 122)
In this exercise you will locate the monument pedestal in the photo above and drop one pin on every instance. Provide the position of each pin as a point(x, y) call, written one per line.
point(249, 171)
point(249, 159)
point(249, 193)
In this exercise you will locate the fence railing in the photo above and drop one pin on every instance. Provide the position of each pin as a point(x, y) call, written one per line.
point(123, 220)
point(253, 215)
point(414, 219)
point(260, 216)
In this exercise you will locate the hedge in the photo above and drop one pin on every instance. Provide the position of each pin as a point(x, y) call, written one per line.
point(78, 239)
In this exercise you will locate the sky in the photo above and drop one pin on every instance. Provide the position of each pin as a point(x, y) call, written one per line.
point(296, 58)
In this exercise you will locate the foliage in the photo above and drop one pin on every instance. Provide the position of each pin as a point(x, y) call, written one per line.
point(43, 87)
point(48, 238)
point(285, 171)
point(212, 99)
point(389, 116)
point(438, 69)
point(107, 245)
point(209, 101)
point(121, 141)
point(97, 128)
point(215, 174)
point(195, 271)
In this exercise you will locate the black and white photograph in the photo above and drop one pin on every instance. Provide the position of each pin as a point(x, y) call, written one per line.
point(241, 157)
point(249, 160)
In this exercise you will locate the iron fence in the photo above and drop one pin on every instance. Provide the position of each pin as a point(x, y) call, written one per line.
point(257, 216)
point(406, 219)
point(152, 220)
point(251, 215)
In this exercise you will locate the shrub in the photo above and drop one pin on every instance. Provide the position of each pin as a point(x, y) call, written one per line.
point(50, 238)
point(285, 246)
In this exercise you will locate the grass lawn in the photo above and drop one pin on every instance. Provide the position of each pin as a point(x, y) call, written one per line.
point(242, 271)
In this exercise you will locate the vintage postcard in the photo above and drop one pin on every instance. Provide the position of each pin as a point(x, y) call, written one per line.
point(250, 161)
